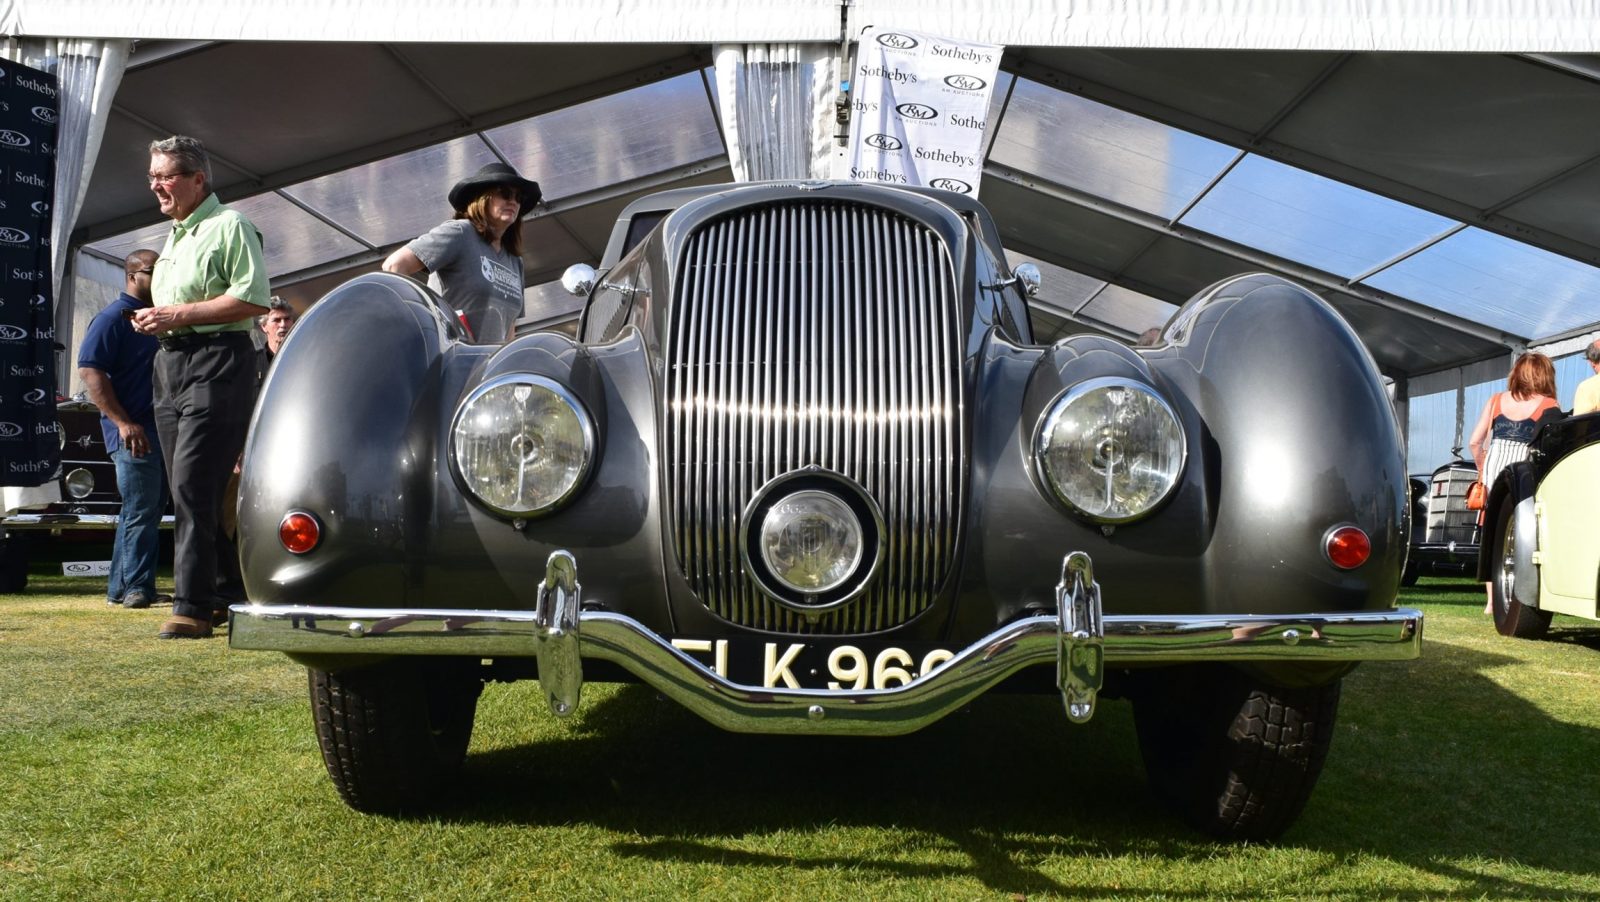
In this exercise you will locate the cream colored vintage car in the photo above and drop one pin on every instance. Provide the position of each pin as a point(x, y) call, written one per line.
point(1543, 558)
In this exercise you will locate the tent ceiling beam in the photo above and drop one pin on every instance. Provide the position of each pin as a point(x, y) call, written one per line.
point(1300, 272)
point(411, 141)
point(1264, 145)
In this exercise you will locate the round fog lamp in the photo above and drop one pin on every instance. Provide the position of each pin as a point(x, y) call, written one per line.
point(80, 483)
point(811, 541)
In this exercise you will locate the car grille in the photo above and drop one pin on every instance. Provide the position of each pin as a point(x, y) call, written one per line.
point(1449, 520)
point(815, 333)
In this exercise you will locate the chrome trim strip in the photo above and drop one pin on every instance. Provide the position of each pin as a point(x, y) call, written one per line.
point(69, 521)
point(1391, 635)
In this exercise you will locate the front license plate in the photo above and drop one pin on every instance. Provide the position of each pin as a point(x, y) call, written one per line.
point(815, 665)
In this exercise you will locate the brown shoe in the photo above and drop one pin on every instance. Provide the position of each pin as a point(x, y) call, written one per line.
point(180, 627)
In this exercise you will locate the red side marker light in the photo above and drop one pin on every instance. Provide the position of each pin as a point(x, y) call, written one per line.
point(299, 532)
point(1348, 547)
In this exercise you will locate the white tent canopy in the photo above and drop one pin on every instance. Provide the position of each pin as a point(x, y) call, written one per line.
point(1443, 201)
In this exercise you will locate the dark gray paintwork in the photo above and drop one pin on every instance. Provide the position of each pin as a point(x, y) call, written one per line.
point(1289, 433)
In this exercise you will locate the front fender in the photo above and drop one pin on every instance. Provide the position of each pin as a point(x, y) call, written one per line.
point(344, 428)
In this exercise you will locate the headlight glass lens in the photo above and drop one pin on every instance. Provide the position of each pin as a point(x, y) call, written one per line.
point(80, 483)
point(811, 541)
point(1111, 449)
point(522, 444)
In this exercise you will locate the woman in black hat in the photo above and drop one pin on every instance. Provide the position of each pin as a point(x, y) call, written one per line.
point(477, 256)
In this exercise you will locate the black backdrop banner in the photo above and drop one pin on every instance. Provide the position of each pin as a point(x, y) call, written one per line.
point(30, 439)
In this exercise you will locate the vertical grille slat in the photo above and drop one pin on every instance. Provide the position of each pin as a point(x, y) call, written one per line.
point(815, 333)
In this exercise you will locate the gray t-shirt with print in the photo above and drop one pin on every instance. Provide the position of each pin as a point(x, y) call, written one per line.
point(474, 278)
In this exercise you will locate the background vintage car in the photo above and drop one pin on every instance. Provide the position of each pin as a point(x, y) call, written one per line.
point(804, 470)
point(87, 514)
point(1444, 532)
point(1543, 556)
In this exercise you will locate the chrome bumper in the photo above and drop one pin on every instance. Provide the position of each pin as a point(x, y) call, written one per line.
point(1078, 639)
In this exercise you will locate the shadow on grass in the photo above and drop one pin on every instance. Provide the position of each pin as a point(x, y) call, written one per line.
point(1008, 782)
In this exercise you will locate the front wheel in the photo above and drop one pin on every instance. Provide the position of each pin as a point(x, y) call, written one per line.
point(1513, 616)
point(395, 734)
point(1232, 755)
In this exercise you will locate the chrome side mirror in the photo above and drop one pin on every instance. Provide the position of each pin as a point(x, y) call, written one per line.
point(578, 279)
point(1027, 275)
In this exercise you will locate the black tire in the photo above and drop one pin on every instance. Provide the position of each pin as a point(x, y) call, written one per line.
point(1511, 616)
point(394, 736)
point(13, 563)
point(1233, 756)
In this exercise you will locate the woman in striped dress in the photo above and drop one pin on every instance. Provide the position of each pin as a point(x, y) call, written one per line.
point(1507, 423)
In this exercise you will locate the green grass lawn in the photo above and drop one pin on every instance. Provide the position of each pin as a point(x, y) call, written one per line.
point(137, 769)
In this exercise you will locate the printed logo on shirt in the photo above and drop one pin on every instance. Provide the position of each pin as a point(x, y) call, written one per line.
point(500, 276)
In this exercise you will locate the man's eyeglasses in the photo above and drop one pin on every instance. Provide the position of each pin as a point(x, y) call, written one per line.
point(165, 178)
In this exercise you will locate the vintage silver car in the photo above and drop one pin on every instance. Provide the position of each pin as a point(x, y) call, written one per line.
point(804, 470)
point(1540, 527)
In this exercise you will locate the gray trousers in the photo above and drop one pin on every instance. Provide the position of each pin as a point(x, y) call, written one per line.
point(204, 393)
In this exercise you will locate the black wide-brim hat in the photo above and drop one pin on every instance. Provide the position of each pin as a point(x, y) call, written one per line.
point(489, 176)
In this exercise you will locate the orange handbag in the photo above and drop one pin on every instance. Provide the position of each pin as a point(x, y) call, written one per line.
point(1477, 496)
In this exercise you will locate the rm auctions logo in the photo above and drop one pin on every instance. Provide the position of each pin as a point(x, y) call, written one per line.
point(9, 235)
point(12, 333)
point(9, 429)
point(965, 82)
point(896, 41)
point(44, 114)
point(9, 138)
point(883, 142)
point(950, 184)
point(918, 111)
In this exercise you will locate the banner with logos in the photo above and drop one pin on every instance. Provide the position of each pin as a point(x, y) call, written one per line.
point(920, 108)
point(30, 441)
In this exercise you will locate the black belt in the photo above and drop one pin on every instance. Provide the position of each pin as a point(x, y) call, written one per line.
point(190, 340)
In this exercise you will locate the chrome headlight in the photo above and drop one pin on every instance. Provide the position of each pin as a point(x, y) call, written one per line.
point(1111, 449)
point(521, 444)
point(80, 483)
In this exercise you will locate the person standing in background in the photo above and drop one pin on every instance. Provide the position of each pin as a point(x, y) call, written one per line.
point(1505, 428)
point(477, 256)
point(1587, 400)
point(209, 283)
point(115, 364)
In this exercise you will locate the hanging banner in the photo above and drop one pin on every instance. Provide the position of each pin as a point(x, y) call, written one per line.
point(920, 109)
point(30, 438)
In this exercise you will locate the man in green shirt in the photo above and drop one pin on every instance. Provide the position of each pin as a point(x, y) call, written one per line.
point(209, 283)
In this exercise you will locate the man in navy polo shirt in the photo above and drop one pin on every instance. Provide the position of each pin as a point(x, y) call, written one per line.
point(116, 364)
